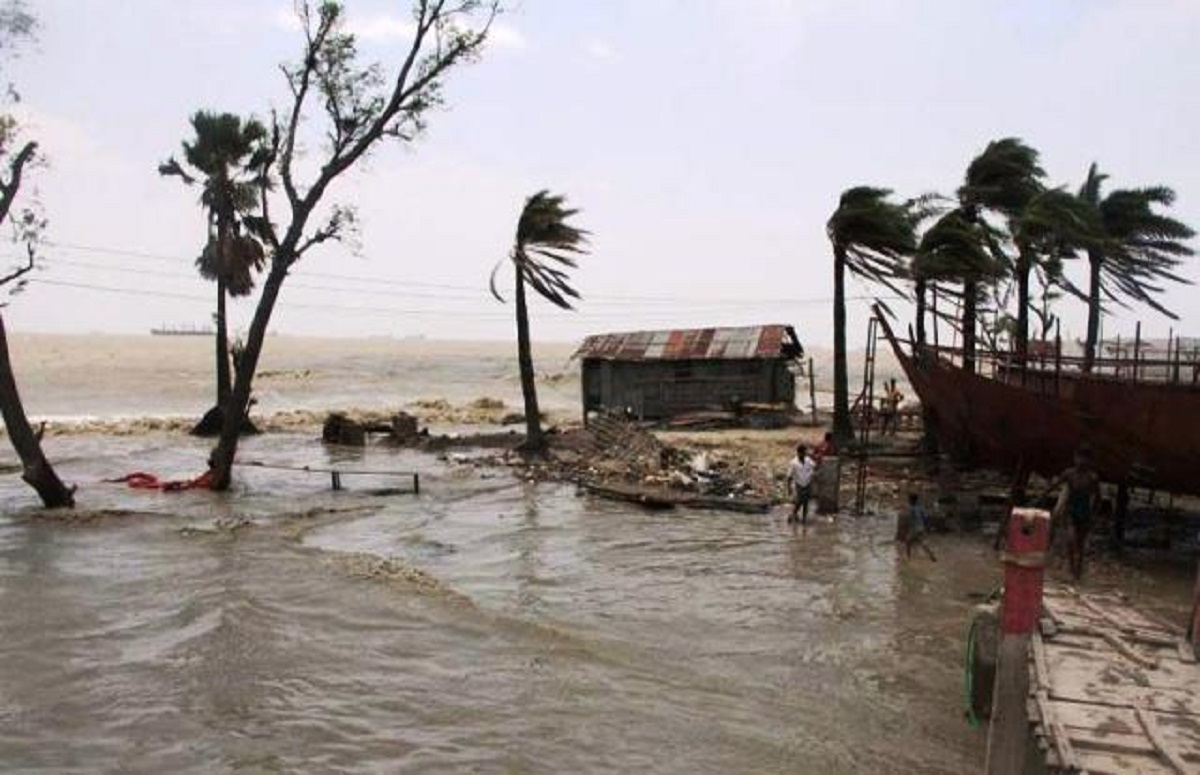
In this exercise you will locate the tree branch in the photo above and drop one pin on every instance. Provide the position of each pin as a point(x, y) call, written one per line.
point(8, 190)
point(24, 269)
point(300, 94)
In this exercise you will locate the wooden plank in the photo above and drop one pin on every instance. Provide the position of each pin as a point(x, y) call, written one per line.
point(1155, 734)
point(1127, 619)
point(1066, 752)
point(1088, 739)
point(1119, 763)
point(1055, 732)
point(1041, 670)
point(1119, 729)
point(1128, 652)
point(1008, 734)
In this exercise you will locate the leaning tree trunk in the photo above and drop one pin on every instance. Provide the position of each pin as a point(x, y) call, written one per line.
point(210, 424)
point(969, 316)
point(842, 428)
point(1093, 319)
point(919, 292)
point(221, 463)
point(37, 469)
point(535, 441)
point(224, 380)
point(1023, 269)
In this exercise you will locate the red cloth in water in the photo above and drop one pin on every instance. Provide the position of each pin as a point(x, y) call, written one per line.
point(140, 480)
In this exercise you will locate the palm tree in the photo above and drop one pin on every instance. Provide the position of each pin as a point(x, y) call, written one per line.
point(544, 239)
point(1138, 248)
point(228, 158)
point(871, 237)
point(957, 248)
point(922, 209)
point(1004, 179)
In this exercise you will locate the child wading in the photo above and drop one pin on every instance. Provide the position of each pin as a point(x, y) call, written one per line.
point(915, 527)
point(800, 476)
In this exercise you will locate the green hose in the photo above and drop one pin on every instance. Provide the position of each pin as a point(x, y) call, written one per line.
point(969, 675)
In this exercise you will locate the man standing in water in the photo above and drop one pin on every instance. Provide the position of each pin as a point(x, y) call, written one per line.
point(800, 476)
point(1083, 490)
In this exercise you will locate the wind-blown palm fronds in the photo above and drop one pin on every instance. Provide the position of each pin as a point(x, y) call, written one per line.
point(544, 249)
point(1139, 250)
point(543, 233)
point(228, 159)
point(959, 249)
point(872, 237)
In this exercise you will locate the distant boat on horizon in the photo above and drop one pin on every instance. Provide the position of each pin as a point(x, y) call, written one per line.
point(188, 330)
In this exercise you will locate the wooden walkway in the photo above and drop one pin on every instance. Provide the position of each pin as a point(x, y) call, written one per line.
point(1112, 690)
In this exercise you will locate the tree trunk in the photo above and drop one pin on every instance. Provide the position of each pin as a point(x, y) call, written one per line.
point(919, 292)
point(38, 472)
point(534, 440)
point(1093, 319)
point(224, 381)
point(1023, 269)
point(842, 428)
point(969, 314)
point(221, 463)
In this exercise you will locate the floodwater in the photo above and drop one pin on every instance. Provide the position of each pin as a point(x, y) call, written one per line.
point(487, 625)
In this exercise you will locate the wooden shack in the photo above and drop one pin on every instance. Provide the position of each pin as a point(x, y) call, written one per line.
point(660, 374)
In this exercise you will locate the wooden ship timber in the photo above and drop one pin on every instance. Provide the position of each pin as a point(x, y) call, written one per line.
point(1140, 417)
point(1112, 689)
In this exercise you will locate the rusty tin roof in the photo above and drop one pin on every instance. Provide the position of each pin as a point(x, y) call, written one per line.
point(770, 341)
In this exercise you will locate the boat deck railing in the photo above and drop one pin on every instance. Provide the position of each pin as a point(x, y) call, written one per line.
point(1045, 360)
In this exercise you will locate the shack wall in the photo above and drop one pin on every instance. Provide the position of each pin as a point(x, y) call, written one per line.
point(654, 389)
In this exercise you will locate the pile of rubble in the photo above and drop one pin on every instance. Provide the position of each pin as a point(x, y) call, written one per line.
point(617, 457)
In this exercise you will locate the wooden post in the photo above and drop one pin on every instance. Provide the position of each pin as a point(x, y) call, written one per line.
point(416, 483)
point(1170, 344)
point(1028, 540)
point(812, 391)
point(1175, 368)
point(335, 479)
point(1137, 350)
point(1057, 358)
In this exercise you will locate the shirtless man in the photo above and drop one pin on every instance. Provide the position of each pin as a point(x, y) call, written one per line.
point(1083, 491)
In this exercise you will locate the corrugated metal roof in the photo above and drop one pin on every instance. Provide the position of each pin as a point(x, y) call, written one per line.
point(769, 341)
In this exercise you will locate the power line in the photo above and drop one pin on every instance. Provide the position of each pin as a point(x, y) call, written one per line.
point(679, 304)
point(599, 298)
point(666, 316)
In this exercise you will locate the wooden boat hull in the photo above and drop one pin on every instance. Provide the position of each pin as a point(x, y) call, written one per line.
point(1141, 433)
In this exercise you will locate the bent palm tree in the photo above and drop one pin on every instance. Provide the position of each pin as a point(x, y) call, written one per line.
point(871, 236)
point(544, 239)
point(1004, 179)
point(1138, 248)
point(957, 249)
point(228, 159)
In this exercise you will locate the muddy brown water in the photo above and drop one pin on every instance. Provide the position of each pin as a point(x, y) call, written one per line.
point(487, 625)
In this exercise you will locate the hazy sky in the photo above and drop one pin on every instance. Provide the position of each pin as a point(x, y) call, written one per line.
point(706, 141)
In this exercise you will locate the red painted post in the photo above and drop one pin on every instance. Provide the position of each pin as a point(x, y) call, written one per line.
point(1024, 558)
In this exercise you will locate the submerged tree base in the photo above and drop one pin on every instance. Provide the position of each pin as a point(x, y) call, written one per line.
point(210, 425)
